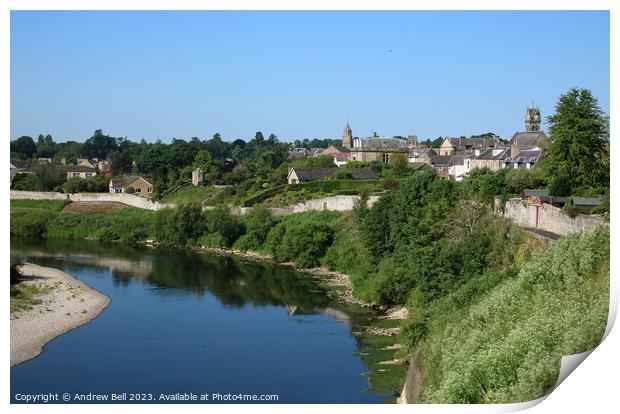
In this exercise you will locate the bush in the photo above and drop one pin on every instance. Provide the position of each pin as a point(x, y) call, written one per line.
point(212, 240)
point(219, 220)
point(74, 185)
point(129, 190)
point(180, 226)
point(305, 243)
point(343, 175)
point(13, 272)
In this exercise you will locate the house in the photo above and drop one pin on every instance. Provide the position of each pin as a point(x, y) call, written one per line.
point(450, 146)
point(341, 160)
point(92, 163)
point(441, 164)
point(491, 158)
point(79, 171)
point(104, 168)
point(538, 196)
point(44, 160)
point(375, 148)
point(524, 159)
point(298, 153)
point(302, 175)
point(587, 204)
point(420, 155)
point(141, 186)
point(458, 167)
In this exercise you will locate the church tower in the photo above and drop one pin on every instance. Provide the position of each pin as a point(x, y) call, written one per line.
point(347, 137)
point(532, 119)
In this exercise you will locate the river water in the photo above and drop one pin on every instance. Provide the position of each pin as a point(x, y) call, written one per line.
point(194, 323)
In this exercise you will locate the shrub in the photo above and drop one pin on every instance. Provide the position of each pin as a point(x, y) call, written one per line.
point(74, 185)
point(343, 175)
point(129, 190)
point(219, 220)
point(212, 240)
point(13, 272)
point(305, 243)
point(180, 226)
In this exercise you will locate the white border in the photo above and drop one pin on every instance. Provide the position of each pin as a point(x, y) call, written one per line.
point(592, 387)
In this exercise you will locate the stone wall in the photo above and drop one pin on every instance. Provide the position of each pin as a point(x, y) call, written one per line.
point(128, 199)
point(550, 218)
point(334, 203)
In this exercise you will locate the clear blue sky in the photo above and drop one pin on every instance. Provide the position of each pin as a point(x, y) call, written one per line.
point(152, 75)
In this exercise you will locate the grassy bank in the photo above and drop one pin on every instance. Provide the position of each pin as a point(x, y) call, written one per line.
point(504, 344)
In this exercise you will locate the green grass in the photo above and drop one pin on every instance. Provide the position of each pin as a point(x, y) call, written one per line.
point(505, 343)
point(51, 205)
point(129, 224)
point(189, 195)
point(24, 297)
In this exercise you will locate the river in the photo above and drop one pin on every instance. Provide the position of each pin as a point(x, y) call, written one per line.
point(190, 322)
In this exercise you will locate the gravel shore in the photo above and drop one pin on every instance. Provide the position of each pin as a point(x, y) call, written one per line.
point(66, 304)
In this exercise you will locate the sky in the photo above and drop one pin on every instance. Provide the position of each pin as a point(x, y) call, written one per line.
point(297, 74)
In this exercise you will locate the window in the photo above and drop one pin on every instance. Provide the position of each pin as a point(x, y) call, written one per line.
point(88, 175)
point(386, 158)
point(137, 190)
point(354, 157)
point(150, 190)
point(75, 174)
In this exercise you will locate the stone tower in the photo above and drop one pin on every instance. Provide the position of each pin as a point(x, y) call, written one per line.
point(347, 137)
point(532, 119)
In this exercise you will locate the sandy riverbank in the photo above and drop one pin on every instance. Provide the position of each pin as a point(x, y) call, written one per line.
point(66, 304)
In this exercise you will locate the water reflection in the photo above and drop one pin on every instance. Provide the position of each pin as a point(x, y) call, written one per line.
point(236, 282)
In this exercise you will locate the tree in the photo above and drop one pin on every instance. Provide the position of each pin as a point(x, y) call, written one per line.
point(121, 161)
point(24, 146)
point(578, 146)
point(400, 164)
point(74, 185)
point(99, 145)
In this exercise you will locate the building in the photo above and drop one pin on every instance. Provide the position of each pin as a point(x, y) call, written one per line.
point(104, 168)
point(92, 163)
point(80, 171)
point(300, 152)
point(375, 148)
point(585, 205)
point(441, 164)
point(458, 167)
point(141, 186)
point(302, 175)
point(197, 177)
point(450, 146)
point(491, 158)
point(542, 196)
point(532, 137)
point(524, 159)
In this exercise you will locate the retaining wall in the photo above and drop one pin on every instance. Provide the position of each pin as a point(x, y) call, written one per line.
point(334, 203)
point(128, 199)
point(550, 218)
